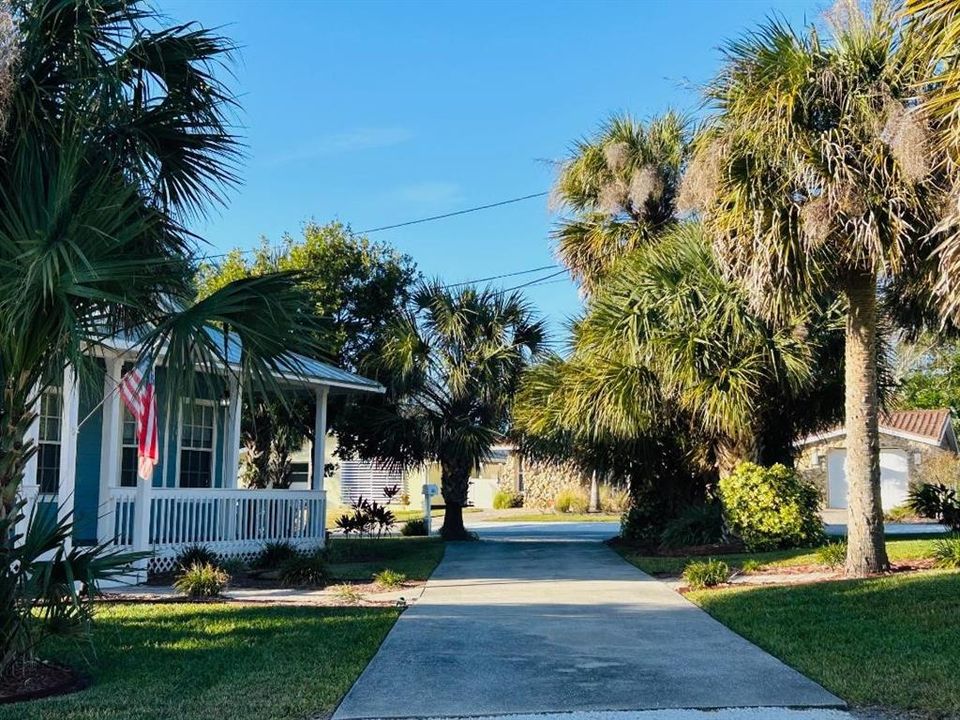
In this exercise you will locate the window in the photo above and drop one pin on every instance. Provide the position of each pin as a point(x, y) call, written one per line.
point(48, 442)
point(128, 449)
point(197, 437)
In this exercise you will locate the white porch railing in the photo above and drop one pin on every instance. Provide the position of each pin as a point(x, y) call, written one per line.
point(233, 523)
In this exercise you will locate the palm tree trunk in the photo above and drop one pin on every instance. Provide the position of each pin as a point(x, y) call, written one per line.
point(866, 552)
point(454, 484)
point(594, 505)
point(731, 452)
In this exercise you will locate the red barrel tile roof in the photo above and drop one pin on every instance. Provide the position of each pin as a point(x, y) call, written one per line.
point(925, 423)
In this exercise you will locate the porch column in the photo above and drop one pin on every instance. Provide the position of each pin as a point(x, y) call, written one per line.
point(231, 452)
point(109, 449)
point(319, 438)
point(68, 445)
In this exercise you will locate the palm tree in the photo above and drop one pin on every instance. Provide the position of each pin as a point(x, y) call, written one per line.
point(452, 364)
point(116, 133)
point(621, 185)
point(668, 338)
point(815, 175)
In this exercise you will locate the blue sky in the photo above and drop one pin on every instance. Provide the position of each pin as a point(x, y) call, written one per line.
point(379, 112)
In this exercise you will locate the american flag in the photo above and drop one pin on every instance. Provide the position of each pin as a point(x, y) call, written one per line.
point(137, 393)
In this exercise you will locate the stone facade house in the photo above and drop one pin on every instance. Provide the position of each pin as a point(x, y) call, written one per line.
point(909, 441)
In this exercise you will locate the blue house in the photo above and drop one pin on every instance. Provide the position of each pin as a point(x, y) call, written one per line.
point(86, 463)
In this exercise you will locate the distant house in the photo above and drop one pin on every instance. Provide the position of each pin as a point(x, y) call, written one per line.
point(907, 440)
point(86, 463)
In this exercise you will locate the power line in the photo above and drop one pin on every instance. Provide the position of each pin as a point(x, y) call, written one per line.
point(536, 281)
point(453, 214)
point(408, 222)
point(500, 277)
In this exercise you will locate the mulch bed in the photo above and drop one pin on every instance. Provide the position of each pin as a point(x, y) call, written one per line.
point(39, 680)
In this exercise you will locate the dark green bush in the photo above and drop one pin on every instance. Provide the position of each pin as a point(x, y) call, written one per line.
point(417, 526)
point(196, 554)
point(202, 580)
point(697, 525)
point(274, 554)
point(771, 508)
point(936, 502)
point(701, 574)
point(643, 522)
point(505, 499)
point(308, 570)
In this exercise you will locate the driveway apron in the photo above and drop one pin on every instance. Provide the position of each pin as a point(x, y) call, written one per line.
point(535, 626)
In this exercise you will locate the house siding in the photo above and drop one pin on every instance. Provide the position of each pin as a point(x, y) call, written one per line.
point(86, 506)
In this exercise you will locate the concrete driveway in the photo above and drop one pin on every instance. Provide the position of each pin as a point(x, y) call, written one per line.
point(540, 625)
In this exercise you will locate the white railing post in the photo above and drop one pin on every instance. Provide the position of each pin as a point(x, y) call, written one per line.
point(109, 450)
point(70, 417)
point(142, 511)
point(319, 438)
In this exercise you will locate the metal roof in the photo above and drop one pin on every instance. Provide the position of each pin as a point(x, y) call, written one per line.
point(302, 369)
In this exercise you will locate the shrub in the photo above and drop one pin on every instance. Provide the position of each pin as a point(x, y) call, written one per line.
point(946, 552)
point(203, 580)
point(347, 594)
point(697, 525)
point(195, 554)
point(275, 554)
point(505, 499)
point(571, 500)
point(308, 570)
point(643, 522)
point(48, 588)
point(411, 528)
point(701, 574)
point(614, 499)
point(901, 513)
point(751, 565)
point(389, 579)
point(771, 508)
point(233, 566)
point(833, 554)
point(936, 502)
point(367, 517)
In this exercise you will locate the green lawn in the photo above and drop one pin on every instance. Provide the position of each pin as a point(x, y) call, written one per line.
point(355, 559)
point(900, 550)
point(180, 661)
point(889, 641)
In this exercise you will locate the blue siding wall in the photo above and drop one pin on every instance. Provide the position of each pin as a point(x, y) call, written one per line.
point(87, 489)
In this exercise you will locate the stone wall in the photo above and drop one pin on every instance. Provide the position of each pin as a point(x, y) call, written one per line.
point(812, 460)
point(541, 481)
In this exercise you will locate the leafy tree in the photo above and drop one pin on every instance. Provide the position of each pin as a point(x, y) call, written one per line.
point(452, 363)
point(355, 288)
point(815, 175)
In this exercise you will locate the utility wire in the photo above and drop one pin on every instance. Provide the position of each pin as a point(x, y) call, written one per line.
point(453, 214)
point(500, 277)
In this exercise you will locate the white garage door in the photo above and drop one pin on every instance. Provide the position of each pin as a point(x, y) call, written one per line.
point(894, 478)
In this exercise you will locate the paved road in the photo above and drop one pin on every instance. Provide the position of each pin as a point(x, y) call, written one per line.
point(545, 626)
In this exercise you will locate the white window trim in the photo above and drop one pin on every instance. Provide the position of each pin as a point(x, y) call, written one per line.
point(213, 442)
point(58, 391)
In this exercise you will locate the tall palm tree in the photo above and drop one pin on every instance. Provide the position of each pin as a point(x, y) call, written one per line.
point(116, 133)
point(620, 185)
point(816, 175)
point(452, 364)
point(669, 338)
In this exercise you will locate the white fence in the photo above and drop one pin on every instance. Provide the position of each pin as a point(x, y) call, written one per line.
point(233, 523)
